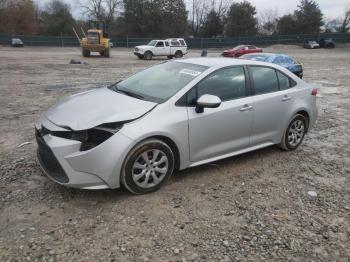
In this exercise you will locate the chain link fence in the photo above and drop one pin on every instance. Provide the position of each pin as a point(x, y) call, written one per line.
point(70, 41)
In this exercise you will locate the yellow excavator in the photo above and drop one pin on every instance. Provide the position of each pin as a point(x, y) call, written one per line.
point(96, 39)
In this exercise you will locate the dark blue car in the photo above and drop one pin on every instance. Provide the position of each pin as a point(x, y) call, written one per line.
point(279, 59)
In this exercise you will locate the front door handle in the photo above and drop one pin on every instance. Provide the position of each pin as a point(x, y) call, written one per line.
point(246, 108)
point(286, 98)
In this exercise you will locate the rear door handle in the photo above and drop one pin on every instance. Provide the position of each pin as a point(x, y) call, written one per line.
point(286, 98)
point(246, 108)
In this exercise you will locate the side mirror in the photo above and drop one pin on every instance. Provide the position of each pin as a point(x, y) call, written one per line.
point(207, 101)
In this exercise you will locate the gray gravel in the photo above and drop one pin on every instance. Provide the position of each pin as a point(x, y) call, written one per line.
point(253, 207)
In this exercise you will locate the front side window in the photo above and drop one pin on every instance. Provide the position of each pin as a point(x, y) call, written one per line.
point(265, 79)
point(160, 44)
point(228, 84)
point(160, 82)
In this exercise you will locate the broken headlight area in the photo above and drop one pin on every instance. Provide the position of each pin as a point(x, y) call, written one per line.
point(89, 138)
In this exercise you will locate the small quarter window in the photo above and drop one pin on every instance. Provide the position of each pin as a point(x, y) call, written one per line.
point(283, 81)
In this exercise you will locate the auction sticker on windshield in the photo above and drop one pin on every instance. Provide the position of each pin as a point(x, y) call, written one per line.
point(190, 72)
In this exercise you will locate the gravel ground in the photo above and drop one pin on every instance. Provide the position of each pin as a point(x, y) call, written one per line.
point(252, 207)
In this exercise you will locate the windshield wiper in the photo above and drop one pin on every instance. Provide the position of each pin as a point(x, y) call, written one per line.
point(130, 94)
point(115, 88)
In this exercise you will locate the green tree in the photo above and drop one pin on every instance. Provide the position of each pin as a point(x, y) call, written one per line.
point(241, 19)
point(57, 19)
point(213, 24)
point(156, 18)
point(309, 17)
point(287, 24)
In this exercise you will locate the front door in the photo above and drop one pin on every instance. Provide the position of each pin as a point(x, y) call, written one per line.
point(160, 48)
point(222, 130)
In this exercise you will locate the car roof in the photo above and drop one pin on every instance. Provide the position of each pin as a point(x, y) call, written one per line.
point(220, 62)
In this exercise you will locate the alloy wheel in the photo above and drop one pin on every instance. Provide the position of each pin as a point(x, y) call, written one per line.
point(150, 168)
point(296, 133)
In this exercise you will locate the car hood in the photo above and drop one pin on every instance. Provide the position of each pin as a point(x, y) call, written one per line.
point(144, 46)
point(99, 106)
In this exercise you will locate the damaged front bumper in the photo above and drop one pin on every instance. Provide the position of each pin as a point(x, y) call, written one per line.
point(64, 162)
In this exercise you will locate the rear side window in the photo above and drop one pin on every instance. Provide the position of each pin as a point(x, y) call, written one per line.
point(265, 79)
point(228, 84)
point(182, 42)
point(175, 43)
point(283, 81)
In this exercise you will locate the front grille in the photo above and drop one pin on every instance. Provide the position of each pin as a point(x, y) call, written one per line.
point(48, 161)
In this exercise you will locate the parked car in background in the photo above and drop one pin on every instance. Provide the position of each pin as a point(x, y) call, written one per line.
point(241, 50)
point(174, 47)
point(327, 43)
point(279, 59)
point(16, 42)
point(172, 116)
point(311, 45)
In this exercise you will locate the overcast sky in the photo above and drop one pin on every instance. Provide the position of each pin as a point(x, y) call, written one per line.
point(330, 8)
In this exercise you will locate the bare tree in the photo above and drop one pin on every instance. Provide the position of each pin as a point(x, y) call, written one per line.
point(102, 9)
point(345, 25)
point(267, 21)
point(199, 11)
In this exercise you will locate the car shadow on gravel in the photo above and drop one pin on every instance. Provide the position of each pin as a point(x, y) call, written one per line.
point(239, 165)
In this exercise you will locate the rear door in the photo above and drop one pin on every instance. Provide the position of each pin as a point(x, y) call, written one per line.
point(272, 104)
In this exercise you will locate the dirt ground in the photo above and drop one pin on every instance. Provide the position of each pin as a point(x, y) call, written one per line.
point(253, 207)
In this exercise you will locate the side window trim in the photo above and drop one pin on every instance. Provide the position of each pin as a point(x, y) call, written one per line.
point(179, 102)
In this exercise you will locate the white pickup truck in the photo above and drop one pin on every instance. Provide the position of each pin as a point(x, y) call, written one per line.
point(174, 47)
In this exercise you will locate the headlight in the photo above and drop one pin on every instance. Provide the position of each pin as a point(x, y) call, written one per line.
point(92, 137)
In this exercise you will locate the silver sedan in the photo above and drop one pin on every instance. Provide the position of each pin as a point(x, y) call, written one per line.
point(169, 117)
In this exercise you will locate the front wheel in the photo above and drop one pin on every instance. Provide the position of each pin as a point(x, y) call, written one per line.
point(147, 167)
point(147, 55)
point(294, 134)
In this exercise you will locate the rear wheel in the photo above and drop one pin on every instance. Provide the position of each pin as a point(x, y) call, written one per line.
point(148, 55)
point(86, 53)
point(147, 167)
point(178, 54)
point(294, 134)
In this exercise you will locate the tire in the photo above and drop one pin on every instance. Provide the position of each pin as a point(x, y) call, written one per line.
point(86, 53)
point(178, 54)
point(140, 169)
point(148, 55)
point(170, 57)
point(291, 140)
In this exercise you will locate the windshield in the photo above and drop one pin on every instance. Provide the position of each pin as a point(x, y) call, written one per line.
point(152, 43)
point(160, 82)
point(238, 47)
point(262, 58)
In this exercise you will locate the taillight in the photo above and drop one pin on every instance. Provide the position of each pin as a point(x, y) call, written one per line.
point(314, 92)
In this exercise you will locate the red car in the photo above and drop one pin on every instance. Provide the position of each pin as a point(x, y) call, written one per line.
point(241, 50)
